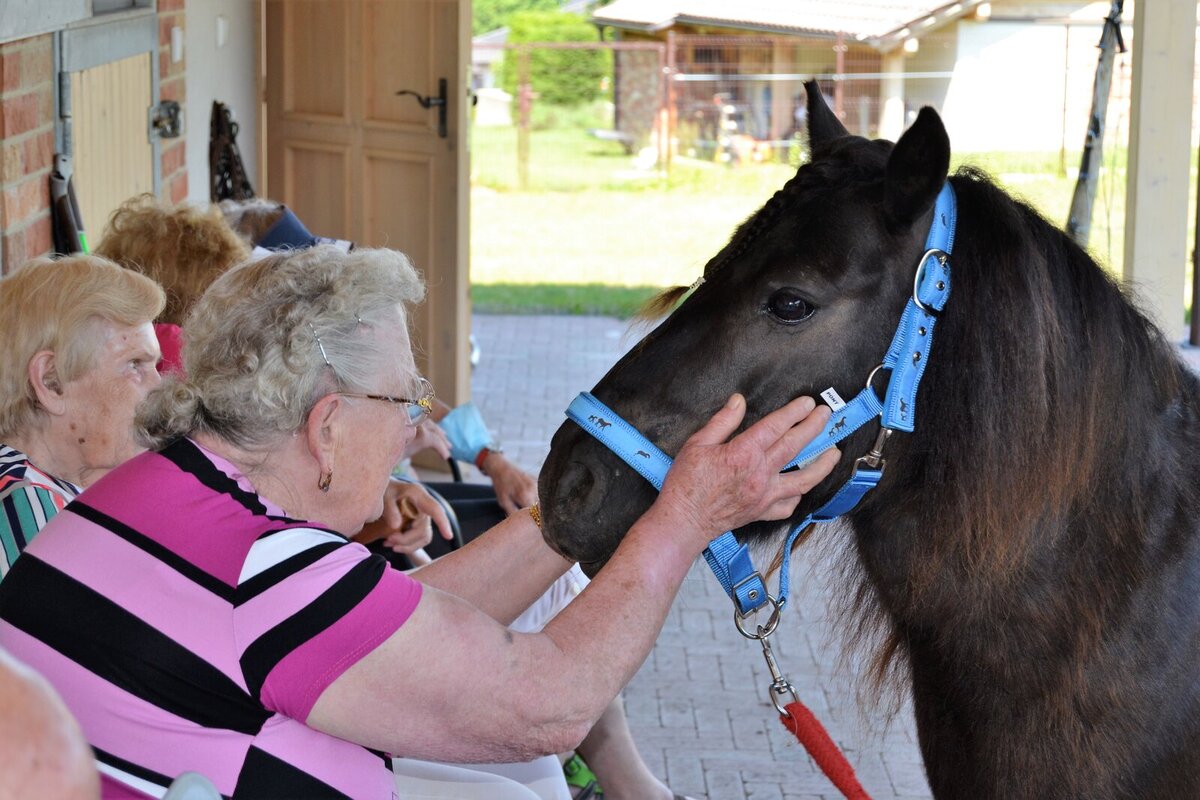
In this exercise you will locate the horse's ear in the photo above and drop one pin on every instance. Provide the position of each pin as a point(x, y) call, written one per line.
point(916, 169)
point(823, 124)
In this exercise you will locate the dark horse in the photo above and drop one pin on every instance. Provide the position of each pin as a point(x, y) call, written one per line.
point(1033, 550)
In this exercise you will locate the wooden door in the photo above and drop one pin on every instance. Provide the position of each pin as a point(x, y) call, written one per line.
point(356, 161)
point(113, 154)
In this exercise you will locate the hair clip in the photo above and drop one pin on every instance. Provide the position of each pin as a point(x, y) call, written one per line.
point(320, 346)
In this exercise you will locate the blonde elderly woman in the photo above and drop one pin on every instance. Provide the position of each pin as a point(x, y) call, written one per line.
point(231, 628)
point(79, 354)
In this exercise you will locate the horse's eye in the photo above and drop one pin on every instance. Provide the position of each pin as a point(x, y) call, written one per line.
point(787, 305)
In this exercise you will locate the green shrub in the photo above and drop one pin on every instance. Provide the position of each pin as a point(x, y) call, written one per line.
point(559, 77)
point(488, 15)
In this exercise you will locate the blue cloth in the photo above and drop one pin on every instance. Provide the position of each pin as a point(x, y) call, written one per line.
point(467, 432)
point(289, 233)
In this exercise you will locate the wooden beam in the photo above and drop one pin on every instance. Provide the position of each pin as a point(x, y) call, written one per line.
point(891, 117)
point(1156, 247)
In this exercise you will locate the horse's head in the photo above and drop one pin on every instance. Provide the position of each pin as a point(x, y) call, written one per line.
point(805, 296)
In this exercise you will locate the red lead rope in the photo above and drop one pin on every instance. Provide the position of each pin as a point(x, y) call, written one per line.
point(812, 734)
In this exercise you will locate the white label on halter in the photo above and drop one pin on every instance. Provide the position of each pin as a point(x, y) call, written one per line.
point(835, 401)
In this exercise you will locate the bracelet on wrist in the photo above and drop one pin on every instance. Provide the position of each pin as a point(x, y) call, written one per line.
point(535, 512)
point(481, 457)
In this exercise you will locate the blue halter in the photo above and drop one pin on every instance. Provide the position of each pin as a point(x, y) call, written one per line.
point(906, 358)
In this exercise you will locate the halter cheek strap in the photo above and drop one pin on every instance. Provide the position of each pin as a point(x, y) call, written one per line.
point(906, 358)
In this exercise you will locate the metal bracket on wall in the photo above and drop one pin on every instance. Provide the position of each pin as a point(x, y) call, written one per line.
point(166, 120)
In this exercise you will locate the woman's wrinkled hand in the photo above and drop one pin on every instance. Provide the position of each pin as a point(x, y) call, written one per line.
point(409, 515)
point(719, 484)
point(515, 488)
point(428, 436)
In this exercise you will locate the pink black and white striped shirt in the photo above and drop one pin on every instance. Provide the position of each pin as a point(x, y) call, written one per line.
point(189, 624)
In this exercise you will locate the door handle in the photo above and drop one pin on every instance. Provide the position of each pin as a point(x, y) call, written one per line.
point(429, 101)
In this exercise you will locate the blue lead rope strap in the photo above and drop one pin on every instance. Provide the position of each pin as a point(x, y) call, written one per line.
point(730, 562)
point(861, 482)
point(852, 416)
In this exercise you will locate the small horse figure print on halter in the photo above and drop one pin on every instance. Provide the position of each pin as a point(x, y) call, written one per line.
point(1031, 557)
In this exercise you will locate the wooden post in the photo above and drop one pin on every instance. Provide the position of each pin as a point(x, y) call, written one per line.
point(1194, 338)
point(1079, 222)
point(672, 111)
point(1062, 140)
point(1160, 149)
point(839, 50)
point(891, 116)
point(524, 105)
point(781, 94)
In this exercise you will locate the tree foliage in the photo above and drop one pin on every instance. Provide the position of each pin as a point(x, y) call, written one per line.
point(488, 15)
point(559, 77)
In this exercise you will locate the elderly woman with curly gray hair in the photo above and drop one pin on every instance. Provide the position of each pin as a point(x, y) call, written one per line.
point(201, 608)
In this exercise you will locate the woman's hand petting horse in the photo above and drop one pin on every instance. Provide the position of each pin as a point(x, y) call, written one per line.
point(750, 463)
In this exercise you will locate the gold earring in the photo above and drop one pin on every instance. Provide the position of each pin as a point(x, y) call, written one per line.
point(326, 479)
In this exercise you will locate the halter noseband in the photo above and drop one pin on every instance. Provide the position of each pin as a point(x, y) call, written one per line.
point(906, 358)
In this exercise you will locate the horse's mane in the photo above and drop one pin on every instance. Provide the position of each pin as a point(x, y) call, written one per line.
point(1043, 372)
point(1045, 387)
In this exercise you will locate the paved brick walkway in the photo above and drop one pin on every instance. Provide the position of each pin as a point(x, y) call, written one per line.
point(699, 707)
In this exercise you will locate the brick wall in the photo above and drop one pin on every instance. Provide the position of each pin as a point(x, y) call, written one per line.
point(27, 118)
point(27, 145)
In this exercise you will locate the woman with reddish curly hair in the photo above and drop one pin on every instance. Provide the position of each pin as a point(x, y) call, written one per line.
point(184, 248)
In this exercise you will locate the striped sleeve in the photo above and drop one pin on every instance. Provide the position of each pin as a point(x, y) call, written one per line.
point(311, 610)
point(25, 508)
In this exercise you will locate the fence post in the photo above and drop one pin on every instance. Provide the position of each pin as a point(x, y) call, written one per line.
point(669, 99)
point(524, 104)
point(1079, 220)
point(839, 50)
point(1194, 338)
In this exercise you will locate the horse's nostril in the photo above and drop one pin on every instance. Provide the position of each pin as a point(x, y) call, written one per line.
point(566, 506)
point(576, 483)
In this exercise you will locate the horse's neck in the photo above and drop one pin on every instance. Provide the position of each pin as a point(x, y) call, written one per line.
point(940, 560)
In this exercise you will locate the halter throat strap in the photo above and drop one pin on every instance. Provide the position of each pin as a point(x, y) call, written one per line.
point(906, 358)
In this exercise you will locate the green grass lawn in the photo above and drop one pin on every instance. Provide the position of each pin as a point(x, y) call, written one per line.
point(595, 233)
point(560, 298)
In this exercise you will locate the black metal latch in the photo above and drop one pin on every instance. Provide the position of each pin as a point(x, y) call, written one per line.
point(430, 101)
point(166, 120)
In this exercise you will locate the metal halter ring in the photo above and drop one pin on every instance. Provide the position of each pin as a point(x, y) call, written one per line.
point(874, 372)
point(763, 630)
point(942, 257)
point(778, 690)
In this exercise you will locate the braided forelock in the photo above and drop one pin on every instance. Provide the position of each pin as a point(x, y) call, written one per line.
point(749, 231)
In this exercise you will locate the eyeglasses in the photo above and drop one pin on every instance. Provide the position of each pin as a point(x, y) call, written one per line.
point(417, 410)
